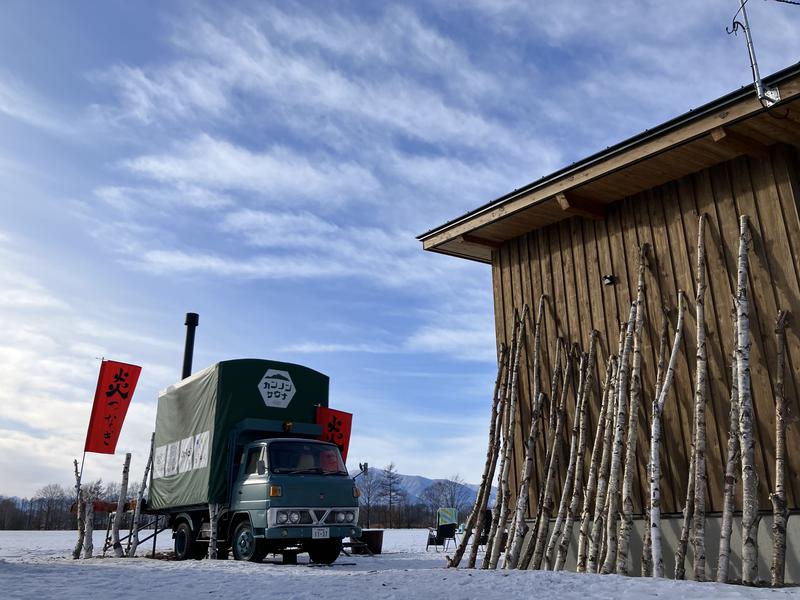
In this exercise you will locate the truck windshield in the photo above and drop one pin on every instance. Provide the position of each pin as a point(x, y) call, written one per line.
point(305, 457)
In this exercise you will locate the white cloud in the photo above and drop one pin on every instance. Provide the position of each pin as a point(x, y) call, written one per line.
point(274, 173)
point(22, 104)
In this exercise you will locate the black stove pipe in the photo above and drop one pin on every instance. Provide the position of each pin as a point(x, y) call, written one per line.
point(192, 321)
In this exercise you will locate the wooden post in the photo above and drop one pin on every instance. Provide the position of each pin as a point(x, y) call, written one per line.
point(699, 519)
point(134, 538)
point(626, 523)
point(609, 563)
point(123, 492)
point(746, 434)
point(779, 512)
point(731, 466)
point(475, 520)
point(591, 485)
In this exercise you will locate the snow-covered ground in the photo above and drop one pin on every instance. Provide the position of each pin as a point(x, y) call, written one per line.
point(36, 565)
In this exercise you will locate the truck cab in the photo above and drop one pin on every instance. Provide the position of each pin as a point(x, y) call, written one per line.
point(292, 494)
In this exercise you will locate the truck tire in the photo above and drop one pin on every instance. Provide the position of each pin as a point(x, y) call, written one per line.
point(325, 552)
point(184, 542)
point(246, 546)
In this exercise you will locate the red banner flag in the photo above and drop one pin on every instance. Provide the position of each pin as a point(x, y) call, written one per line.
point(115, 386)
point(336, 426)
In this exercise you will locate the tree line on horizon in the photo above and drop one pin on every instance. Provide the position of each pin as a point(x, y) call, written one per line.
point(383, 502)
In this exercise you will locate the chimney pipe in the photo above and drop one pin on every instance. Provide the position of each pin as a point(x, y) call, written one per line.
point(192, 321)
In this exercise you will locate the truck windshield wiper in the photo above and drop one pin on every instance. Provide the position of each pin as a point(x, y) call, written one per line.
point(307, 470)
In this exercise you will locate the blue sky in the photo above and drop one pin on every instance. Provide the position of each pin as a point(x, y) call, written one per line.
point(269, 165)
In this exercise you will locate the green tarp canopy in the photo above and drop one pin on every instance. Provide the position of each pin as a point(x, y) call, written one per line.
point(201, 420)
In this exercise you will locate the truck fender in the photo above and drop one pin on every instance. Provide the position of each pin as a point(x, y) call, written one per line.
point(184, 516)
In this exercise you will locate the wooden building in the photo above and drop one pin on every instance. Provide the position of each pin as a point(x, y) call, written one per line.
point(564, 234)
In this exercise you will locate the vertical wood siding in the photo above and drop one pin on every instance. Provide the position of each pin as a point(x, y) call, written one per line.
point(566, 261)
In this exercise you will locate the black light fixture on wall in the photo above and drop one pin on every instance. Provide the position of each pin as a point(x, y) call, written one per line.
point(608, 279)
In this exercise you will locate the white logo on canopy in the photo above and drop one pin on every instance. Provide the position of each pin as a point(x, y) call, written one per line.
point(277, 388)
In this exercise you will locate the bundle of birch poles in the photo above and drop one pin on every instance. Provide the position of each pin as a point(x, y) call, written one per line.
point(602, 501)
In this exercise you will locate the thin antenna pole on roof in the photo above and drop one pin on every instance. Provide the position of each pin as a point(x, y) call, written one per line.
point(767, 96)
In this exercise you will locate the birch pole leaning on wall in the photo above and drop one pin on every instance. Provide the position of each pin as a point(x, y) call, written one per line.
point(499, 543)
point(502, 440)
point(616, 457)
point(133, 541)
point(572, 513)
point(526, 560)
point(569, 477)
point(688, 509)
point(647, 542)
point(746, 434)
point(591, 484)
point(520, 527)
point(475, 520)
point(123, 492)
point(699, 518)
point(655, 445)
point(598, 518)
point(626, 523)
point(779, 512)
point(543, 524)
point(731, 466)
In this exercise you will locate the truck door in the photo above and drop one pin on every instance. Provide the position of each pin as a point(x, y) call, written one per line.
point(252, 487)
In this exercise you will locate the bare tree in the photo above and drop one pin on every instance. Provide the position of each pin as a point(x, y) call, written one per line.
point(390, 489)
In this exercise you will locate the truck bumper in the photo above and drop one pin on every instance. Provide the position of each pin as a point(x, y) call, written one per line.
point(305, 532)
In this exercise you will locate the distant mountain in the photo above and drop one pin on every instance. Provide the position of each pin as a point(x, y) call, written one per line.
point(415, 485)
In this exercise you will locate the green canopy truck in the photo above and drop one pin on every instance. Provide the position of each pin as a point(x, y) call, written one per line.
point(236, 453)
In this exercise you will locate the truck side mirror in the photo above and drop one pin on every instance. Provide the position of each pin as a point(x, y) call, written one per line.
point(261, 467)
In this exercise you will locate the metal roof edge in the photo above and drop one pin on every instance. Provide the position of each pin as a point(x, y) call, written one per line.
point(640, 138)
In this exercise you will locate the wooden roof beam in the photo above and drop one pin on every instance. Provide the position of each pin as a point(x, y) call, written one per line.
point(582, 207)
point(478, 241)
point(739, 143)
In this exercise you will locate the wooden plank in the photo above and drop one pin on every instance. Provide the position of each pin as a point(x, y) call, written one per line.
point(764, 310)
point(715, 410)
point(739, 142)
point(562, 328)
point(584, 301)
point(787, 181)
point(523, 400)
point(658, 298)
point(526, 367)
point(681, 400)
point(781, 270)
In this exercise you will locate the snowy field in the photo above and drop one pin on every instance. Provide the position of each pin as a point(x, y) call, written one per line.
point(36, 565)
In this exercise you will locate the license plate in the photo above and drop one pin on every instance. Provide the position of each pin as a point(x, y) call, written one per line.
point(320, 533)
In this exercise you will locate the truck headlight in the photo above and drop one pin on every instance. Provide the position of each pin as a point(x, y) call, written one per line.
point(294, 517)
point(340, 517)
point(281, 517)
point(349, 516)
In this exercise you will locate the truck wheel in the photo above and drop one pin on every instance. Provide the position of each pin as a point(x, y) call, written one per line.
point(325, 552)
point(246, 546)
point(184, 542)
